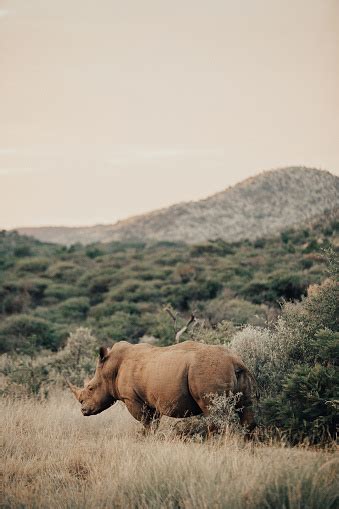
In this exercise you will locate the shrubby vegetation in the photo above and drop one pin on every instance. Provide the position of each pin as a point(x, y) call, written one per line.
point(296, 365)
point(290, 343)
point(35, 376)
point(118, 290)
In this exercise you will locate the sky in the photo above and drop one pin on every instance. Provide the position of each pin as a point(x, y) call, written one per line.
point(110, 109)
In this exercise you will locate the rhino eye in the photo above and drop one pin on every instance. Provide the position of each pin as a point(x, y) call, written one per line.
point(90, 388)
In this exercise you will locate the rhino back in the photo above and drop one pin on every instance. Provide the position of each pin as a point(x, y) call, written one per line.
point(175, 379)
point(159, 378)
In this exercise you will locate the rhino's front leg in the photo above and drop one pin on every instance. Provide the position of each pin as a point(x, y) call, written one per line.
point(144, 414)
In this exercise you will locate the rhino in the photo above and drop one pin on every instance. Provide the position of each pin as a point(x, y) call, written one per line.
point(174, 381)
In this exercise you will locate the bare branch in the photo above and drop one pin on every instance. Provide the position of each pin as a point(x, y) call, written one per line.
point(184, 329)
point(180, 332)
point(170, 312)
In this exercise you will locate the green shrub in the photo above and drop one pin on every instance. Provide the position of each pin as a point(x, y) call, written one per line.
point(287, 286)
point(12, 298)
point(312, 245)
point(75, 308)
point(296, 365)
point(30, 376)
point(186, 294)
point(238, 310)
point(100, 285)
point(160, 326)
point(13, 303)
point(286, 235)
point(22, 250)
point(64, 272)
point(306, 263)
point(16, 296)
point(55, 293)
point(36, 290)
point(301, 322)
point(221, 334)
point(94, 252)
point(307, 409)
point(121, 326)
point(215, 247)
point(77, 359)
point(27, 334)
point(278, 285)
point(264, 355)
point(34, 264)
point(259, 243)
point(35, 376)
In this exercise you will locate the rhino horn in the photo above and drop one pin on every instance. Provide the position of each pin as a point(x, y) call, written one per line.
point(76, 391)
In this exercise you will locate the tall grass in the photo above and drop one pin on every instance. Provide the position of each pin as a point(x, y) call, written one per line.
point(55, 458)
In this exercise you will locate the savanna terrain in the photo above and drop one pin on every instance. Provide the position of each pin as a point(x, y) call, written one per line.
point(273, 301)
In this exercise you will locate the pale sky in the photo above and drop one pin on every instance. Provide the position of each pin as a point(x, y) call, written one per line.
point(113, 108)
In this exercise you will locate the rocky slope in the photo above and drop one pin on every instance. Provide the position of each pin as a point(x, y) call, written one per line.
point(259, 206)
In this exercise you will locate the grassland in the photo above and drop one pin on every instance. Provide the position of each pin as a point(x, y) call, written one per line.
point(56, 458)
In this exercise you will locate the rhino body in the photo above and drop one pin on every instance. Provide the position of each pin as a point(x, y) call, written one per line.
point(176, 381)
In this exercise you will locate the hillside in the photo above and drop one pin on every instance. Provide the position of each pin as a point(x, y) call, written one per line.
point(259, 206)
point(119, 289)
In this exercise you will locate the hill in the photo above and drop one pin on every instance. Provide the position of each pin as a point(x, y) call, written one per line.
point(119, 289)
point(260, 206)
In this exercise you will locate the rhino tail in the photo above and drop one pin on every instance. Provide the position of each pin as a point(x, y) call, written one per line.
point(246, 382)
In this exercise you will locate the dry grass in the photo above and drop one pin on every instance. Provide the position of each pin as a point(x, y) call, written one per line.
point(55, 458)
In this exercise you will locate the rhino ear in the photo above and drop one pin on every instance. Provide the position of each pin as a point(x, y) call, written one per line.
point(103, 353)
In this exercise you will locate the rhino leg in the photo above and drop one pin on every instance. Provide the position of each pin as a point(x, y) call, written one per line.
point(148, 417)
point(247, 418)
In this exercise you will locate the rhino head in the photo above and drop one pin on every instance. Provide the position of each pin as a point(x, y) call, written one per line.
point(96, 394)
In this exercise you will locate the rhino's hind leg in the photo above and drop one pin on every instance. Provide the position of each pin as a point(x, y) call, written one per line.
point(247, 420)
point(246, 414)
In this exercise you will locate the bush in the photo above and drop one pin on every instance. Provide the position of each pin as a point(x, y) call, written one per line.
point(94, 252)
point(74, 309)
point(264, 355)
point(121, 326)
point(186, 294)
point(221, 334)
point(64, 272)
point(25, 376)
point(98, 286)
point(34, 264)
point(216, 247)
point(306, 263)
point(77, 359)
point(296, 367)
point(307, 408)
point(237, 310)
point(224, 413)
point(12, 304)
point(26, 334)
point(278, 285)
point(36, 289)
point(300, 322)
point(55, 293)
point(160, 326)
point(22, 251)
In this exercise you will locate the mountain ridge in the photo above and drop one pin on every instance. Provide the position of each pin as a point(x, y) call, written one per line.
point(258, 206)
